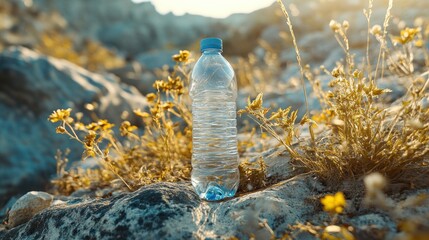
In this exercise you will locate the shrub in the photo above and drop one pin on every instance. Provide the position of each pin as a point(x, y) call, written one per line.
point(359, 133)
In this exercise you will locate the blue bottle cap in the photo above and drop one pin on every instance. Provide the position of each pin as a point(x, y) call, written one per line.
point(207, 43)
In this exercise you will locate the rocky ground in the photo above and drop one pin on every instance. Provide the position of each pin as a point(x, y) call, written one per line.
point(174, 211)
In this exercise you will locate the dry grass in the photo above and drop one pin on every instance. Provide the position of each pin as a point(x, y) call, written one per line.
point(361, 134)
point(92, 56)
point(258, 74)
point(162, 153)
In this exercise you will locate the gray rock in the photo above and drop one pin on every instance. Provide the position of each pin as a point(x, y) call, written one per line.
point(32, 86)
point(128, 26)
point(27, 206)
point(373, 220)
point(135, 28)
point(137, 75)
point(171, 211)
point(157, 59)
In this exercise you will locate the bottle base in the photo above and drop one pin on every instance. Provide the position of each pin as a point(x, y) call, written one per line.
point(215, 192)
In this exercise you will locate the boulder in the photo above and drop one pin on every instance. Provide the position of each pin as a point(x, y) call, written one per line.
point(171, 211)
point(27, 206)
point(32, 86)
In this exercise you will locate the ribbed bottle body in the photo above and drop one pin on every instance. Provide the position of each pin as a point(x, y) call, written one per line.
point(215, 173)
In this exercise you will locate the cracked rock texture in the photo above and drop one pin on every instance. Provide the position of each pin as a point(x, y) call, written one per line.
point(170, 211)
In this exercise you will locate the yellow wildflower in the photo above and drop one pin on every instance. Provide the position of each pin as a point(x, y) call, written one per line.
point(257, 103)
point(89, 145)
point(357, 74)
point(60, 115)
point(276, 115)
point(90, 139)
point(160, 85)
point(79, 126)
point(151, 97)
point(60, 130)
point(183, 56)
point(140, 113)
point(337, 72)
point(126, 128)
point(419, 43)
point(323, 117)
point(334, 203)
point(305, 120)
point(407, 35)
point(105, 125)
point(167, 105)
point(92, 126)
point(175, 83)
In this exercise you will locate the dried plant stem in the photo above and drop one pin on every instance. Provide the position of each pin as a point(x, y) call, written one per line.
point(381, 53)
point(100, 153)
point(109, 165)
point(301, 69)
point(348, 55)
point(368, 18)
point(264, 124)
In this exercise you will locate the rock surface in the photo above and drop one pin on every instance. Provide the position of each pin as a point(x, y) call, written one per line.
point(174, 211)
point(170, 211)
point(27, 206)
point(32, 86)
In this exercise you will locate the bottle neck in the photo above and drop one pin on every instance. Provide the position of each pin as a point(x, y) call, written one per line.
point(212, 51)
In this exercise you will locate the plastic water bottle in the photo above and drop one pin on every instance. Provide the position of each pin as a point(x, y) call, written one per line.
point(213, 91)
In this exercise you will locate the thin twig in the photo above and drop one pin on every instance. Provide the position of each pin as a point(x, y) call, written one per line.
point(298, 58)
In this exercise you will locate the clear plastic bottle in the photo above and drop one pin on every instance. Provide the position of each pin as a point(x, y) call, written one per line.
point(213, 91)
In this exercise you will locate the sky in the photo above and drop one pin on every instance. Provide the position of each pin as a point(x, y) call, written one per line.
point(210, 8)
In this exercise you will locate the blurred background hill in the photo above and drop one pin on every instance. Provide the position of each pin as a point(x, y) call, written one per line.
point(106, 54)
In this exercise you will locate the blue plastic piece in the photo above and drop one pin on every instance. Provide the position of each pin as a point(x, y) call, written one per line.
point(213, 43)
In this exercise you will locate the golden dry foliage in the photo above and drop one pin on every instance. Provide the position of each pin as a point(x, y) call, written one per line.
point(252, 175)
point(283, 119)
point(58, 46)
point(364, 136)
point(92, 56)
point(361, 135)
point(255, 72)
point(161, 154)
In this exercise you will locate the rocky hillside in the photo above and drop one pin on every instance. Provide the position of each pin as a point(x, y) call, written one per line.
point(138, 28)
